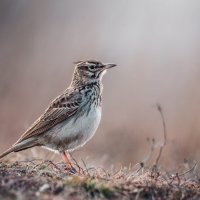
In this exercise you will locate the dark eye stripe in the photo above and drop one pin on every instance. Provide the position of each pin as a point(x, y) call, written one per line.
point(84, 66)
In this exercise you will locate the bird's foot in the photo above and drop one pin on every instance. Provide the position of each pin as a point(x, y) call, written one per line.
point(71, 170)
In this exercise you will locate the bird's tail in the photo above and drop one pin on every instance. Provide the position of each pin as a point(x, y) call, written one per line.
point(20, 146)
point(10, 150)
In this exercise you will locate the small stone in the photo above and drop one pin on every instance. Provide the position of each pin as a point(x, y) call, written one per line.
point(44, 188)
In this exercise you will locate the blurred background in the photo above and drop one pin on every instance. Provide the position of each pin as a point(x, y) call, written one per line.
point(156, 45)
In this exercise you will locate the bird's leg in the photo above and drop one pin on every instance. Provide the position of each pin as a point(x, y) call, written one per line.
point(68, 163)
point(66, 160)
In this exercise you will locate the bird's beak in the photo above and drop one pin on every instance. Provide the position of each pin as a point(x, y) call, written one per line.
point(109, 65)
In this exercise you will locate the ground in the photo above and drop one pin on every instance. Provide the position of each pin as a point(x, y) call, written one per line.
point(43, 180)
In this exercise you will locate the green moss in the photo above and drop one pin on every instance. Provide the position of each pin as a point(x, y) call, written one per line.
point(95, 187)
point(89, 186)
point(42, 167)
point(106, 191)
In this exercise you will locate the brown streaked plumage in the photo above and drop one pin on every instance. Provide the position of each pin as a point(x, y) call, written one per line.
point(73, 117)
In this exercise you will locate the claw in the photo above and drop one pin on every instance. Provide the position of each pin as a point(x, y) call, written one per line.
point(71, 170)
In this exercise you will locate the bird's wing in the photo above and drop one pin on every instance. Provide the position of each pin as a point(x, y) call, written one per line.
point(60, 109)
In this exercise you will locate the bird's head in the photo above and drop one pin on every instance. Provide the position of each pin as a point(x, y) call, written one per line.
point(90, 70)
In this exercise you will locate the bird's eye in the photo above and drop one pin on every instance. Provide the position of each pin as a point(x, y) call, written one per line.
point(92, 67)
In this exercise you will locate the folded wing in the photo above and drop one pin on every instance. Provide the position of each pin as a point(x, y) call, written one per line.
point(62, 108)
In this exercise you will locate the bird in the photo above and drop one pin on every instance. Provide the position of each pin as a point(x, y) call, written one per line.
point(72, 118)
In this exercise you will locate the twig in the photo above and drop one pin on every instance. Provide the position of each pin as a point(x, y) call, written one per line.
point(136, 172)
point(105, 172)
point(80, 169)
point(188, 171)
point(86, 169)
point(164, 134)
point(152, 148)
point(53, 164)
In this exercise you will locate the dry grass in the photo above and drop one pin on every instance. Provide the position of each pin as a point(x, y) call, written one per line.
point(46, 180)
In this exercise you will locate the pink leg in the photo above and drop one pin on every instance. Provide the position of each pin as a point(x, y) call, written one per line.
point(65, 157)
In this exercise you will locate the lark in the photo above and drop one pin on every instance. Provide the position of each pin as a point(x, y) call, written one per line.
point(72, 118)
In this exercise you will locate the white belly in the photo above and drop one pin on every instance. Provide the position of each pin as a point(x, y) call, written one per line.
point(70, 135)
